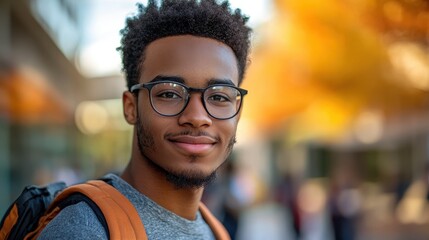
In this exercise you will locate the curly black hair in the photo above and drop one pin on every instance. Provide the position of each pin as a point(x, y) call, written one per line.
point(204, 18)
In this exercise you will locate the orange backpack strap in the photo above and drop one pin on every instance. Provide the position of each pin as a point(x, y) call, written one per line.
point(218, 229)
point(121, 217)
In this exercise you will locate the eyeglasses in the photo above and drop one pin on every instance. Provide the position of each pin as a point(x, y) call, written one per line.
point(167, 98)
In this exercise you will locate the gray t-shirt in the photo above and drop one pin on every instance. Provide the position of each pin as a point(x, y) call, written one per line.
point(80, 222)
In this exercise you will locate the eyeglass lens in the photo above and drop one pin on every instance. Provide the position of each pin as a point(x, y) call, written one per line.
point(220, 101)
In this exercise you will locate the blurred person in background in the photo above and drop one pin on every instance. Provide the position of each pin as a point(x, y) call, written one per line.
point(345, 200)
point(184, 61)
point(286, 194)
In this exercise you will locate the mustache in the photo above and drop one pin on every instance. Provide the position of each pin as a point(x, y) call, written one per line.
point(193, 134)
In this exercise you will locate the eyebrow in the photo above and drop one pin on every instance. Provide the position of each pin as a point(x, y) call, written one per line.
point(213, 81)
point(216, 81)
point(168, 78)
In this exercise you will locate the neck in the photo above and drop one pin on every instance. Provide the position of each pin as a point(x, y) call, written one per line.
point(154, 185)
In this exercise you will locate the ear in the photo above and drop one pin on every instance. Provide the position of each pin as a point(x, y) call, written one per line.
point(129, 103)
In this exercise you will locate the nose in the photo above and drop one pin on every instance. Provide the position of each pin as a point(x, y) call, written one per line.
point(195, 114)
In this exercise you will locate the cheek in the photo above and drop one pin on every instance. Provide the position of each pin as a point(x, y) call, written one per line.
point(154, 124)
point(228, 127)
point(150, 120)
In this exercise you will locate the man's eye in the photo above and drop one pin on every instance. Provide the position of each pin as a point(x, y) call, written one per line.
point(171, 95)
point(219, 98)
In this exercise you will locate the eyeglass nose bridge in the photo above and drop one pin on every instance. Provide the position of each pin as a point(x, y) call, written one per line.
point(191, 90)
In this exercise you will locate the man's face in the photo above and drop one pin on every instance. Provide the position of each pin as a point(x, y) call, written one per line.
point(188, 147)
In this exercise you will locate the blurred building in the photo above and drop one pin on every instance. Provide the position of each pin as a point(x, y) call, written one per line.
point(41, 88)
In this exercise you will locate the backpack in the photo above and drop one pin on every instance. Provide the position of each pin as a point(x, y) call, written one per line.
point(36, 206)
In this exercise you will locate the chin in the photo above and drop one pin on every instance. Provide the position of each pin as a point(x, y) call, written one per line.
point(190, 178)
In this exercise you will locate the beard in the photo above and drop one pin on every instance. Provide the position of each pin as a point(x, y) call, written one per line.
point(180, 179)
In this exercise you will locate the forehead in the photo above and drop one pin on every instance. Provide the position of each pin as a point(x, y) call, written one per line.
point(195, 59)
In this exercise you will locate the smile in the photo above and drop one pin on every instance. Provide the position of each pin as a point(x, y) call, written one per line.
point(193, 145)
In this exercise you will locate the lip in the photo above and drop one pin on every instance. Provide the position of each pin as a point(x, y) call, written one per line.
point(193, 144)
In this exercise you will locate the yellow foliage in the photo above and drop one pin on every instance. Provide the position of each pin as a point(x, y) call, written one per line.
point(319, 63)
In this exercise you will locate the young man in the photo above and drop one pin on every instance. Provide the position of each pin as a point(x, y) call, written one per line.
point(183, 62)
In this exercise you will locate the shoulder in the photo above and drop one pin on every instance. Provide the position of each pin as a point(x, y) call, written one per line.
point(77, 221)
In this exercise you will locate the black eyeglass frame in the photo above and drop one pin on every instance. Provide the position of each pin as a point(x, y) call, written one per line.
point(189, 90)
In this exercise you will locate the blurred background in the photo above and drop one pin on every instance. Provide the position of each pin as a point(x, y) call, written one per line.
point(333, 142)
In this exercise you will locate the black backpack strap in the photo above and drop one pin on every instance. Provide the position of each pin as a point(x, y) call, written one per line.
point(23, 215)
